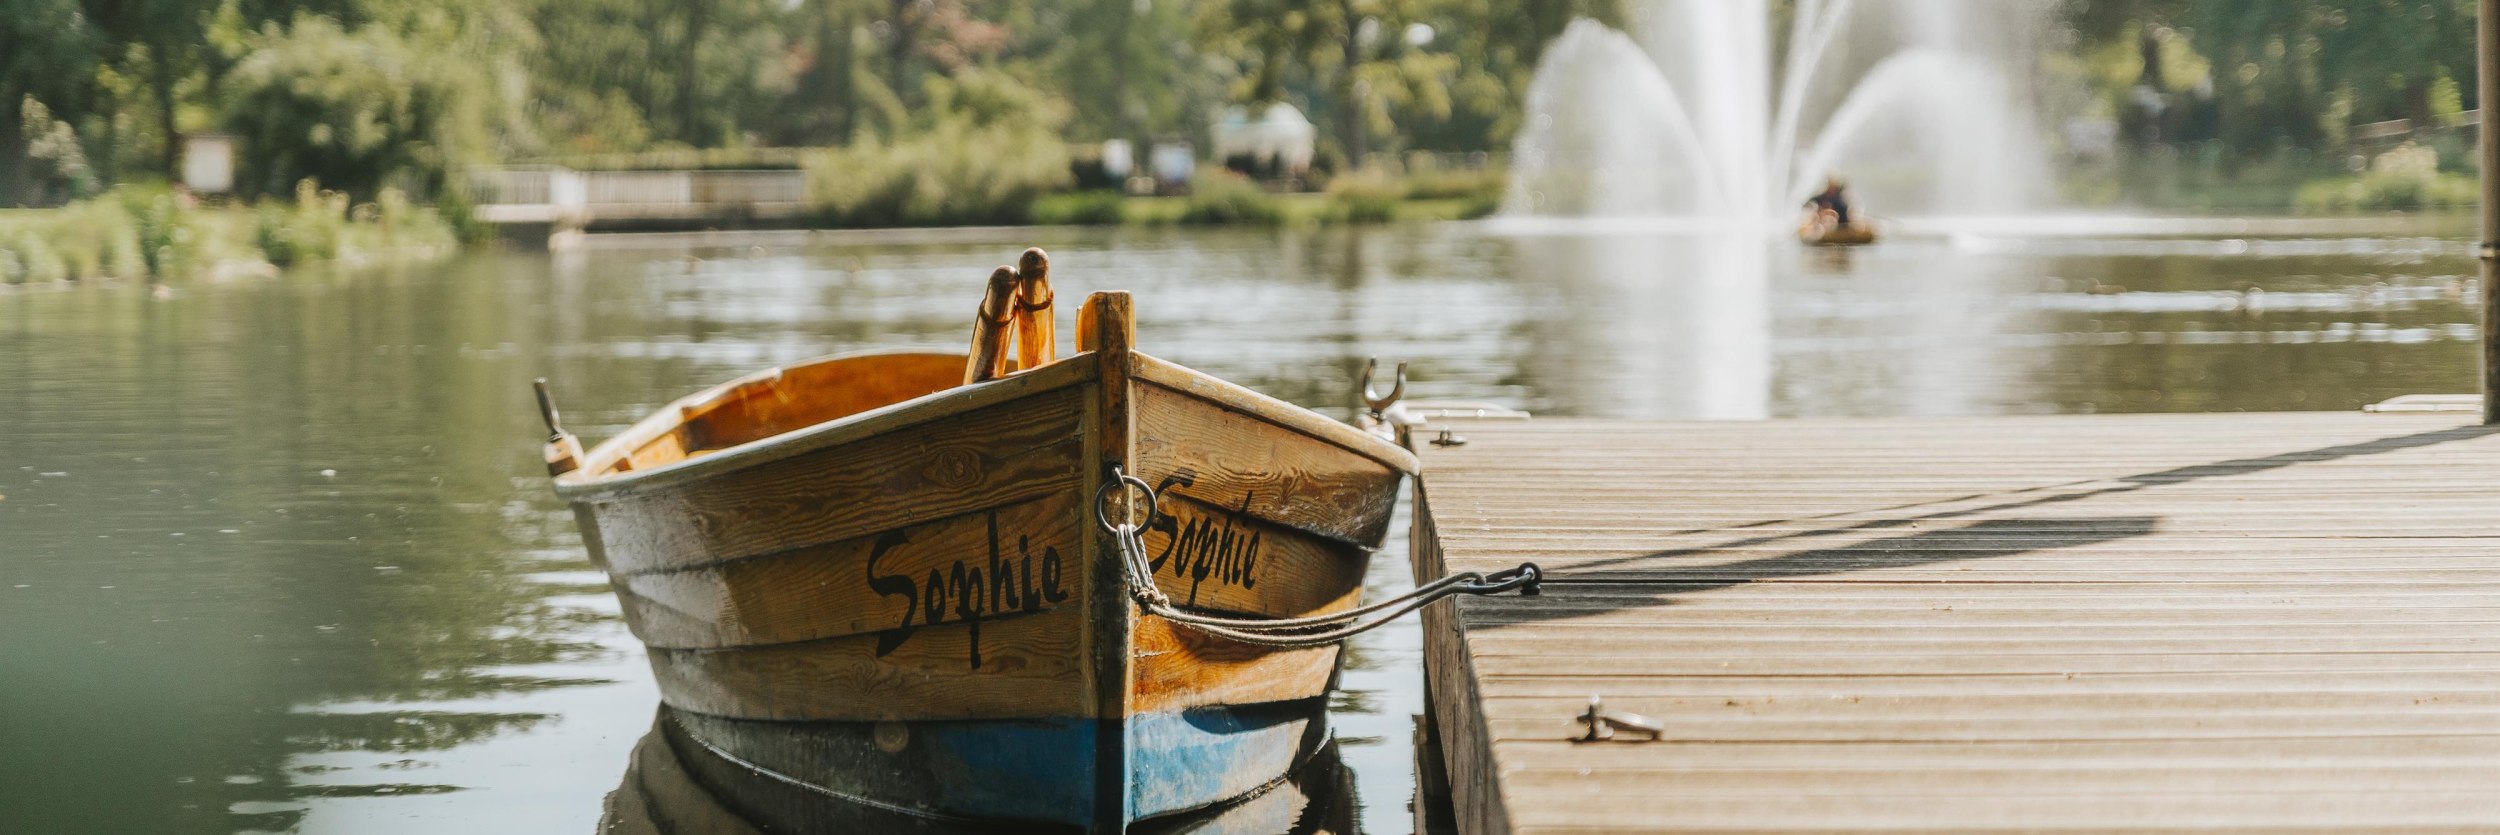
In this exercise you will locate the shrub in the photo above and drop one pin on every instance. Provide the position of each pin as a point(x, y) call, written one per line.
point(952, 176)
point(162, 232)
point(141, 231)
point(356, 110)
point(309, 229)
point(1227, 198)
point(982, 152)
point(83, 240)
point(1365, 197)
point(1081, 208)
point(2404, 179)
point(1471, 184)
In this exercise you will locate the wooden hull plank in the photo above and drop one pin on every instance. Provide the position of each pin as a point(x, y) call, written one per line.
point(1191, 447)
point(1023, 450)
point(1178, 669)
point(995, 563)
point(1221, 560)
point(1028, 668)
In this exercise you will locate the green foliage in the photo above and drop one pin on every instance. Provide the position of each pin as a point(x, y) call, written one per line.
point(1224, 198)
point(151, 232)
point(1366, 197)
point(1081, 208)
point(162, 228)
point(982, 151)
point(308, 229)
point(613, 73)
point(1128, 68)
point(2405, 179)
point(358, 110)
point(2261, 75)
point(86, 240)
point(56, 165)
point(1426, 180)
point(459, 218)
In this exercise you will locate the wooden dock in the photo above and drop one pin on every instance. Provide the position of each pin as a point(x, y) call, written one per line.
point(2249, 622)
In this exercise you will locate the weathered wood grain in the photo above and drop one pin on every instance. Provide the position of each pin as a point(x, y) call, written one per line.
point(1222, 560)
point(1107, 328)
point(1294, 418)
point(601, 479)
point(1029, 667)
point(993, 563)
point(1193, 447)
point(1177, 669)
point(1016, 451)
point(2102, 623)
point(993, 328)
point(1037, 331)
point(811, 393)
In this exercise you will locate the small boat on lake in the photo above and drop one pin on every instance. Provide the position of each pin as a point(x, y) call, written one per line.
point(898, 571)
point(1824, 231)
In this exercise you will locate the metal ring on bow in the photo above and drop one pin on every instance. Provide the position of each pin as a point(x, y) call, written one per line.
point(1118, 478)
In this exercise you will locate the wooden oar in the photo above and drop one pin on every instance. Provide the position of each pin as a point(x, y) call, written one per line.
point(994, 328)
point(1037, 339)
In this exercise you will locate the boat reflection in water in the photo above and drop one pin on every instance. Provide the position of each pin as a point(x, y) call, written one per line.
point(678, 784)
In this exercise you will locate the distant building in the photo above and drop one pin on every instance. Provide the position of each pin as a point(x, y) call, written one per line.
point(1276, 145)
point(208, 163)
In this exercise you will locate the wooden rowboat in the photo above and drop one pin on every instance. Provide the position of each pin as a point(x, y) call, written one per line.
point(896, 557)
point(1819, 230)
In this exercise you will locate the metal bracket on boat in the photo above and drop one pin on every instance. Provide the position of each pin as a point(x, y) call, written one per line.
point(1602, 725)
point(1381, 415)
point(1379, 403)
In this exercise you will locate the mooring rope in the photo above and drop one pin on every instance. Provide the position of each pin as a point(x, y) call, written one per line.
point(1286, 633)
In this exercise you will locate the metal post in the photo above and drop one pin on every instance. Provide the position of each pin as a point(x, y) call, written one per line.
point(2487, 97)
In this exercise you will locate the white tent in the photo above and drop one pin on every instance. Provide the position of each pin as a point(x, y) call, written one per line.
point(1281, 136)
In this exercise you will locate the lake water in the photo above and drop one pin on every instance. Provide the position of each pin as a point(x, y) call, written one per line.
point(279, 554)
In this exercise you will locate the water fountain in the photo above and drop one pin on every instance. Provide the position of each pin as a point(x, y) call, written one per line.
point(1916, 100)
point(1655, 162)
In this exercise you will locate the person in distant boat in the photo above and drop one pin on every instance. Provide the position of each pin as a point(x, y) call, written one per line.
point(1834, 199)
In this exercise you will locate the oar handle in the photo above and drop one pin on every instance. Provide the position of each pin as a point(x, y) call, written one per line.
point(1037, 338)
point(993, 328)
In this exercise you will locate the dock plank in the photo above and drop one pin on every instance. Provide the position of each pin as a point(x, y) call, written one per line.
point(2242, 622)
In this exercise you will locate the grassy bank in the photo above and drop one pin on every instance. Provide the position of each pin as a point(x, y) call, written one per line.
point(2203, 179)
point(1222, 200)
point(153, 233)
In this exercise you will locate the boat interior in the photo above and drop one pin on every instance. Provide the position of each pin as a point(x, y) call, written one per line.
point(775, 402)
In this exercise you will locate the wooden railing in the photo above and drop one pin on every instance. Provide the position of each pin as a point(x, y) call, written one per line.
point(564, 197)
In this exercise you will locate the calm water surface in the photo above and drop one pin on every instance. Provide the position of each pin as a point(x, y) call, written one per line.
point(278, 555)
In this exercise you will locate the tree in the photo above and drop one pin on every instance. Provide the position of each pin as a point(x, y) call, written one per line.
point(47, 52)
point(159, 43)
point(2299, 71)
point(356, 110)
